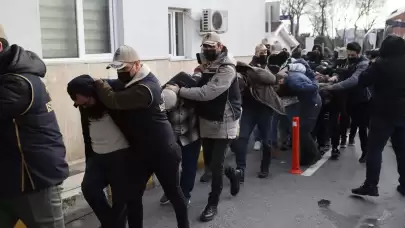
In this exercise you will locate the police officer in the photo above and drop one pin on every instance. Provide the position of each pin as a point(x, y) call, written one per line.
point(218, 105)
point(149, 133)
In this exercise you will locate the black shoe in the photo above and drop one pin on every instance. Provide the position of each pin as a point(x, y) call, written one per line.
point(351, 142)
point(401, 190)
point(234, 176)
point(206, 177)
point(242, 175)
point(164, 200)
point(263, 174)
point(363, 158)
point(335, 154)
point(366, 190)
point(209, 213)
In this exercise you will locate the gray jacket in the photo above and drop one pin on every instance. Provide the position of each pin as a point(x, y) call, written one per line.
point(219, 83)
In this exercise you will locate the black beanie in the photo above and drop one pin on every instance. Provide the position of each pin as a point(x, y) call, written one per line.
point(354, 46)
point(83, 85)
point(392, 46)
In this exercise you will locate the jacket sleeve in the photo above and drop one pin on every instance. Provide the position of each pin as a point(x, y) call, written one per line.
point(353, 80)
point(300, 84)
point(134, 97)
point(15, 96)
point(262, 76)
point(88, 149)
point(218, 84)
point(369, 76)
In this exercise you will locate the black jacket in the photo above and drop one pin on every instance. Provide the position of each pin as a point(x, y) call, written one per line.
point(32, 154)
point(387, 78)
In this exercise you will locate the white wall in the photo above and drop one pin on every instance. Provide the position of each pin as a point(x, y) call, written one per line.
point(20, 19)
point(146, 25)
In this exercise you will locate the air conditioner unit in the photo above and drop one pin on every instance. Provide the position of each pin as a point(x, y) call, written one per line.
point(214, 21)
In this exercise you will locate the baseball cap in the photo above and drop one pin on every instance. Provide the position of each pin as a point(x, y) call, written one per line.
point(123, 55)
point(211, 38)
point(2, 33)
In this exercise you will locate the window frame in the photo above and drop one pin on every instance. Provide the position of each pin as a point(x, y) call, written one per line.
point(173, 28)
point(81, 38)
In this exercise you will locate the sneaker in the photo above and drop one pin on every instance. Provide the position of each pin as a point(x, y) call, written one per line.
point(209, 213)
point(335, 154)
point(206, 177)
point(401, 190)
point(366, 190)
point(234, 177)
point(257, 145)
point(164, 200)
point(351, 142)
point(263, 174)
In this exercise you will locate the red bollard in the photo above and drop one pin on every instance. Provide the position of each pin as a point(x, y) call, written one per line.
point(295, 161)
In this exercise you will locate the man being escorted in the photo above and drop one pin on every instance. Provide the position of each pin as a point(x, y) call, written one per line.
point(32, 154)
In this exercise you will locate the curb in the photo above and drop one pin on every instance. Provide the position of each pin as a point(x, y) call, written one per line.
point(70, 198)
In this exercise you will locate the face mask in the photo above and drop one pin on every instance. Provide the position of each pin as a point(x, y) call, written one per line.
point(125, 77)
point(262, 59)
point(352, 59)
point(210, 54)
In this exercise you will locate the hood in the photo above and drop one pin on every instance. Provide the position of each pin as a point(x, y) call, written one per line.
point(297, 67)
point(141, 74)
point(17, 60)
point(225, 58)
point(392, 46)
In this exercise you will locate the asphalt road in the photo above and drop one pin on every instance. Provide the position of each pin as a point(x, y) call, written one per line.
point(290, 201)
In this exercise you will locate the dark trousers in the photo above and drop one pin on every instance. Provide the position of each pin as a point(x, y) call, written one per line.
point(251, 118)
point(308, 117)
point(190, 154)
point(339, 122)
point(103, 170)
point(360, 118)
point(41, 209)
point(322, 127)
point(164, 162)
point(381, 129)
point(214, 155)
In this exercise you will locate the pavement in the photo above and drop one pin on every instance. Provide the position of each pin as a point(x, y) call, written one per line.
point(318, 199)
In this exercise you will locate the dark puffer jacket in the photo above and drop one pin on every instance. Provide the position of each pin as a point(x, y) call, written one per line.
point(32, 155)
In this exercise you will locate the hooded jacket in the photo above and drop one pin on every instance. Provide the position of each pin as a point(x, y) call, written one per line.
point(387, 77)
point(32, 155)
point(260, 87)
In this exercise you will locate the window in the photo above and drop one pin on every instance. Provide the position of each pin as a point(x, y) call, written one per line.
point(176, 32)
point(75, 28)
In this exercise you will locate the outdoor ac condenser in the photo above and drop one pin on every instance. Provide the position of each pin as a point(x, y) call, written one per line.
point(214, 21)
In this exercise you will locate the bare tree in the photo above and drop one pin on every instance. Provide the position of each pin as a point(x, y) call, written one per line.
point(319, 18)
point(295, 8)
point(368, 10)
point(342, 12)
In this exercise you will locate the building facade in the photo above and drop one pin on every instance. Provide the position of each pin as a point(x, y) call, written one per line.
point(77, 37)
point(395, 24)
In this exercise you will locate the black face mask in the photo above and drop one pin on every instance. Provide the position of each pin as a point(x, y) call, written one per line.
point(262, 59)
point(352, 59)
point(210, 54)
point(125, 77)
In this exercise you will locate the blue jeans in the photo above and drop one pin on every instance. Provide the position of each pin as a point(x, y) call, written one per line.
point(251, 118)
point(190, 154)
point(286, 121)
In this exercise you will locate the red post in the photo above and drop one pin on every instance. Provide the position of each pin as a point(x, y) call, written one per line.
point(295, 161)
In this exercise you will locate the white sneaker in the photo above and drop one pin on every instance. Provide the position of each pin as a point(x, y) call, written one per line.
point(257, 145)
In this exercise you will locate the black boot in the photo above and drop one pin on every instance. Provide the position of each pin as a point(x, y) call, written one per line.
point(335, 154)
point(209, 213)
point(206, 177)
point(263, 174)
point(366, 190)
point(363, 158)
point(234, 176)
